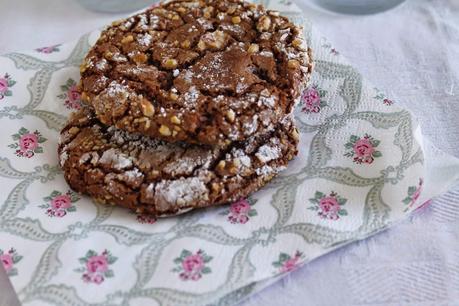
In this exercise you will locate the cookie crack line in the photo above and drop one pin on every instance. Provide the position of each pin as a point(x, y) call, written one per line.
point(173, 62)
point(159, 178)
point(264, 79)
point(190, 63)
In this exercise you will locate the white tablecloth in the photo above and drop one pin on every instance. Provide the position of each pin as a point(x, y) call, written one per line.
point(411, 53)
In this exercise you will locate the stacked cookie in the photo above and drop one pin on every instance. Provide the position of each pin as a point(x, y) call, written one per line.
point(188, 105)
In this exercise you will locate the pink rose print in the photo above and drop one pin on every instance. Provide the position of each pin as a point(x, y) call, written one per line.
point(242, 219)
point(328, 206)
point(240, 211)
point(424, 205)
point(73, 94)
point(382, 97)
point(57, 213)
point(416, 194)
point(58, 204)
point(363, 147)
point(312, 99)
point(192, 266)
point(48, 50)
point(9, 259)
point(388, 102)
point(287, 263)
point(97, 264)
point(413, 195)
point(5, 84)
point(145, 219)
point(62, 201)
point(96, 268)
point(27, 144)
point(97, 278)
point(70, 95)
point(333, 51)
point(362, 150)
point(240, 207)
point(290, 265)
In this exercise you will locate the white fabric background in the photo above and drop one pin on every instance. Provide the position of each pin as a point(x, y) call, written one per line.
point(411, 53)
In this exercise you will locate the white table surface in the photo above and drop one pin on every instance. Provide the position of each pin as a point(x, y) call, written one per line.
point(411, 53)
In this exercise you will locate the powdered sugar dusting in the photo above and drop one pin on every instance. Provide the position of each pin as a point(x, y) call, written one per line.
point(143, 21)
point(191, 96)
point(133, 174)
point(265, 170)
point(182, 166)
point(243, 158)
point(188, 76)
point(181, 192)
point(245, 161)
point(266, 98)
point(241, 86)
point(84, 158)
point(120, 137)
point(265, 117)
point(154, 21)
point(212, 72)
point(192, 159)
point(205, 24)
point(265, 35)
point(117, 57)
point(268, 101)
point(128, 23)
point(133, 177)
point(251, 127)
point(235, 28)
point(117, 159)
point(266, 53)
point(102, 64)
point(115, 89)
point(267, 153)
point(92, 157)
point(144, 40)
point(63, 157)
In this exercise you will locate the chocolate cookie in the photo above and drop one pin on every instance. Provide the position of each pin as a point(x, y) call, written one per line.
point(207, 72)
point(161, 178)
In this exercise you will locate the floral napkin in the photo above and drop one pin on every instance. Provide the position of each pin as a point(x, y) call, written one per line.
point(361, 167)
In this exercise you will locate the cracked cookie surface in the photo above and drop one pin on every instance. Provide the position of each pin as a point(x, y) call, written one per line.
point(161, 178)
point(208, 72)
